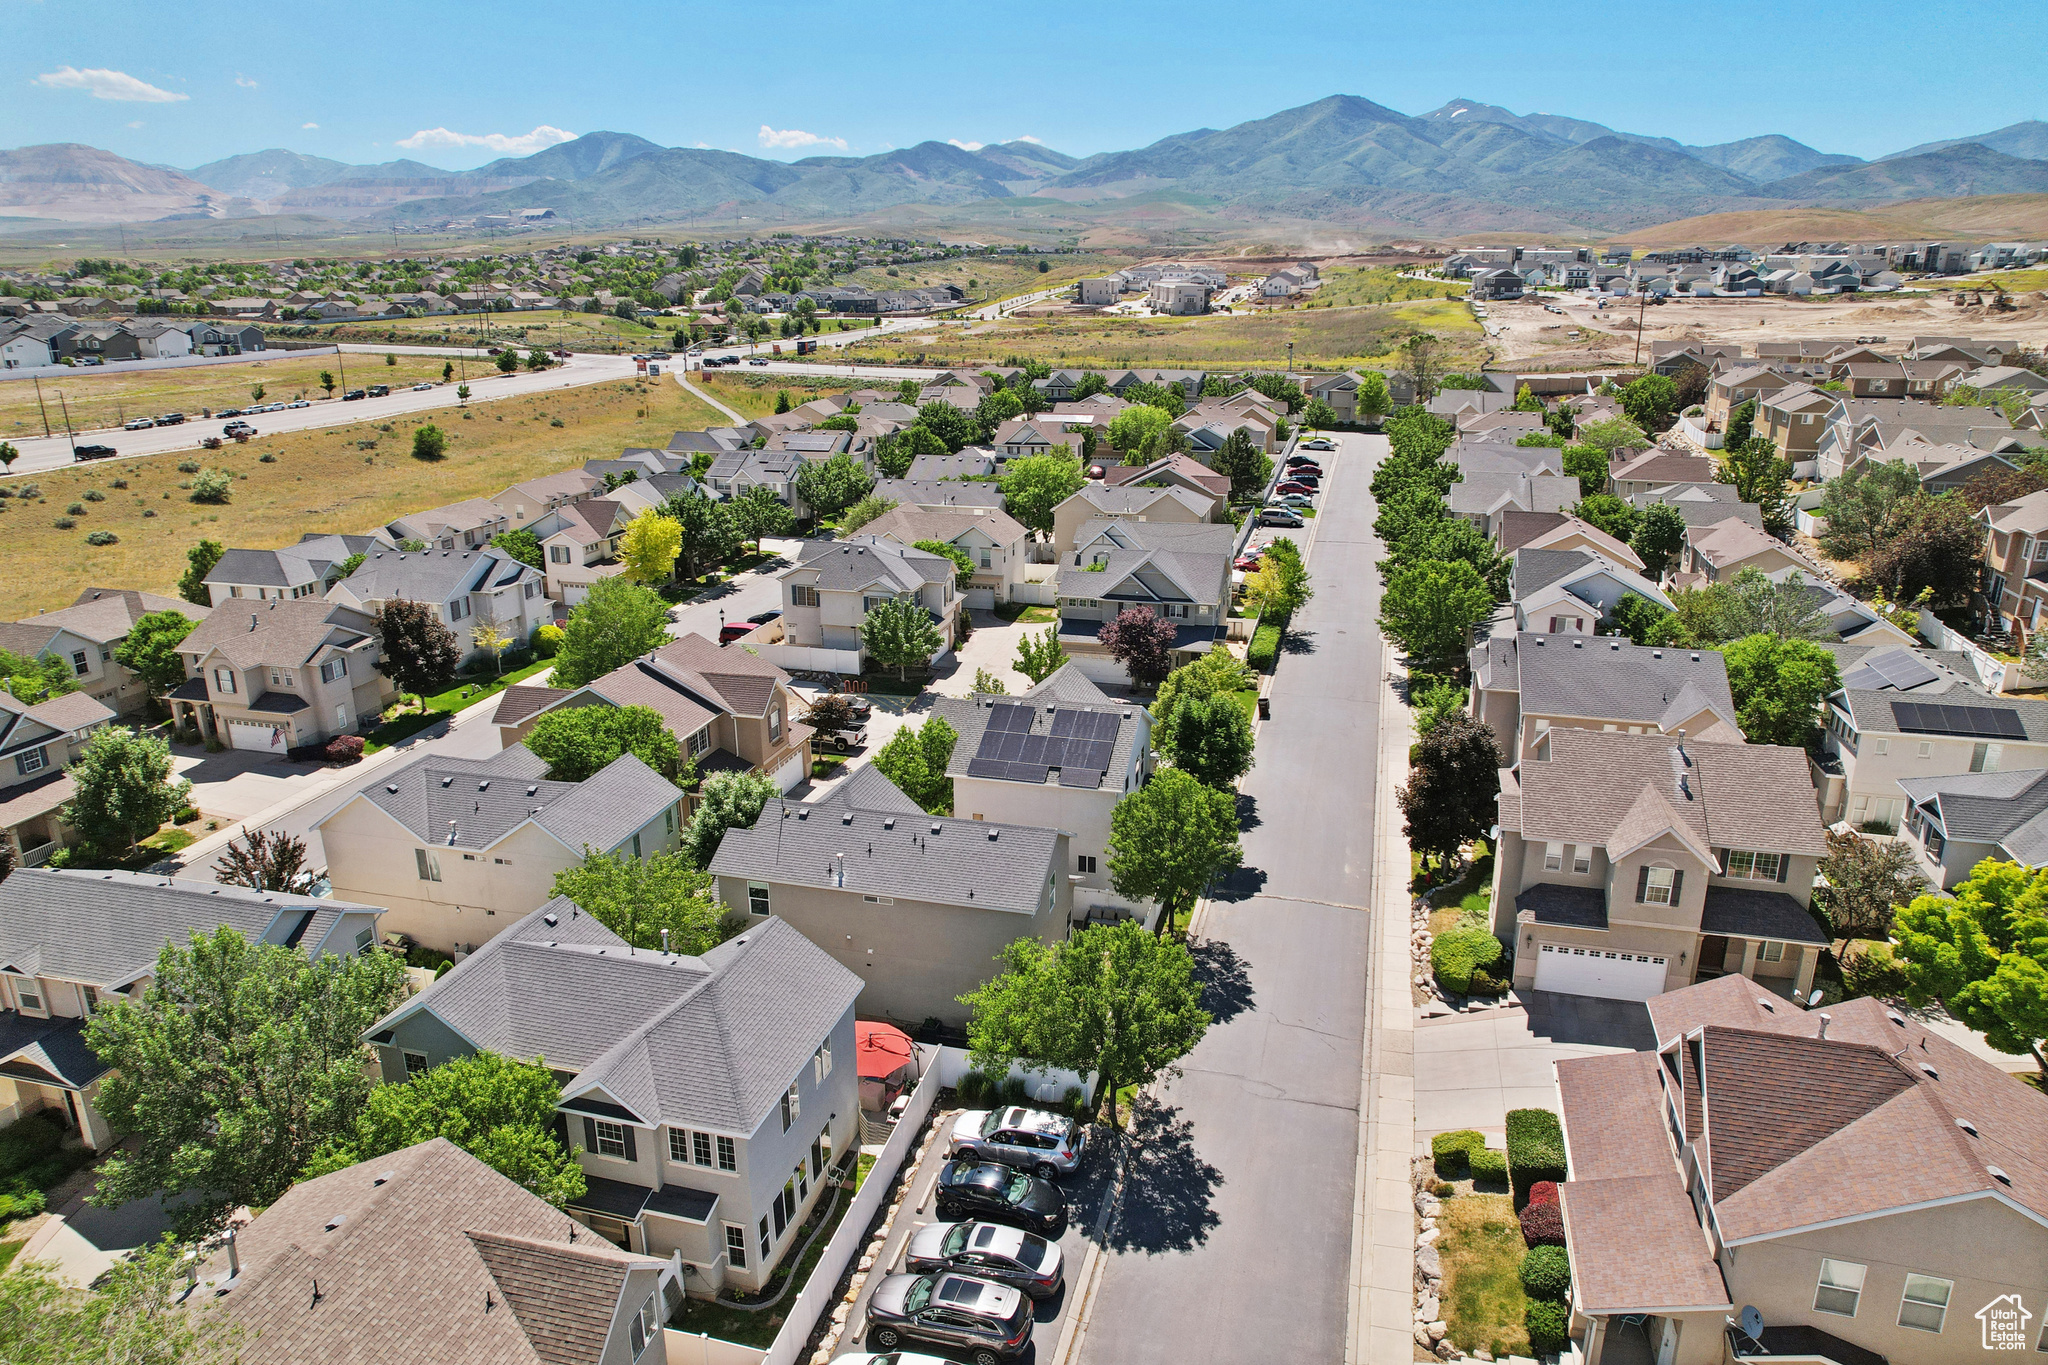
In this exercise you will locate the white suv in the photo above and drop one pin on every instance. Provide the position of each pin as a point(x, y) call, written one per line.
point(1029, 1139)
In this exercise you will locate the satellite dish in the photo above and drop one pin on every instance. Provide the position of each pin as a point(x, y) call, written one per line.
point(1752, 1322)
point(1813, 999)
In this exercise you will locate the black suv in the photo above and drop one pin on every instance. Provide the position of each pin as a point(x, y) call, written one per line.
point(970, 1189)
point(991, 1322)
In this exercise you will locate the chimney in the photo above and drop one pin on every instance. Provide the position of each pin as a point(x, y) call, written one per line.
point(252, 620)
point(1825, 1020)
point(234, 1257)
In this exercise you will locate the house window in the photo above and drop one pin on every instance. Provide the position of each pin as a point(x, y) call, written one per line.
point(1759, 867)
point(1658, 884)
point(1553, 857)
point(1984, 757)
point(34, 761)
point(821, 1154)
point(1841, 1285)
point(531, 589)
point(428, 865)
point(366, 939)
point(775, 725)
point(415, 1064)
point(1925, 1303)
point(1582, 859)
point(92, 999)
point(736, 1246)
point(802, 596)
point(728, 1154)
point(558, 554)
point(336, 667)
point(678, 1145)
point(984, 558)
point(1926, 748)
point(1771, 952)
point(792, 1108)
point(767, 1241)
point(1883, 747)
point(821, 1061)
point(224, 681)
point(28, 997)
point(700, 1149)
point(78, 664)
point(611, 1138)
point(757, 901)
point(699, 742)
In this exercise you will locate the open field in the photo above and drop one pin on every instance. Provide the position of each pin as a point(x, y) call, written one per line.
point(753, 395)
point(2013, 281)
point(1994, 216)
point(348, 478)
point(553, 329)
point(995, 277)
point(1346, 288)
point(107, 396)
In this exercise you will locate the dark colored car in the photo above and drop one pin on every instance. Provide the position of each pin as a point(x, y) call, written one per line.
point(762, 618)
point(229, 412)
point(352, 395)
point(170, 419)
point(1022, 1260)
point(380, 390)
point(1308, 468)
point(735, 630)
point(969, 1189)
point(93, 452)
point(990, 1322)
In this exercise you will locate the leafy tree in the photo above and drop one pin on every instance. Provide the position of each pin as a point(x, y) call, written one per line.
point(508, 359)
point(199, 561)
point(1563, 421)
point(415, 650)
point(637, 898)
point(865, 511)
point(1438, 701)
point(1142, 643)
point(1430, 609)
point(1587, 464)
point(963, 565)
point(1137, 428)
point(1112, 1000)
point(580, 741)
point(125, 789)
point(1373, 399)
point(327, 382)
point(1526, 400)
point(212, 486)
point(490, 637)
point(1247, 465)
point(985, 681)
point(266, 860)
point(781, 401)
point(899, 633)
point(1933, 547)
point(138, 1314)
point(1650, 401)
point(1090, 384)
point(1169, 838)
point(1753, 604)
point(1035, 484)
point(1658, 536)
point(1640, 619)
point(649, 547)
point(1216, 673)
point(1318, 415)
point(915, 759)
point(1040, 656)
point(1741, 422)
point(998, 408)
point(758, 512)
point(1279, 586)
point(1613, 435)
point(1610, 514)
point(1422, 361)
point(1759, 476)
point(956, 428)
point(1209, 737)
point(1689, 386)
point(2003, 485)
point(1859, 505)
point(1778, 686)
point(151, 649)
point(617, 623)
point(429, 442)
point(831, 714)
point(710, 533)
point(238, 1063)
point(498, 1109)
point(462, 393)
point(522, 545)
point(1531, 440)
point(1453, 787)
point(31, 681)
point(829, 487)
point(1866, 880)
point(1983, 954)
point(1279, 388)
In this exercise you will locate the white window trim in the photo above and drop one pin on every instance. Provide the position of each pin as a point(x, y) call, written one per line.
point(1821, 1285)
point(1947, 1297)
point(1651, 888)
point(602, 1138)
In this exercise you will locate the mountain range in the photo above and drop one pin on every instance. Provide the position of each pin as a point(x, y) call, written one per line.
point(1343, 158)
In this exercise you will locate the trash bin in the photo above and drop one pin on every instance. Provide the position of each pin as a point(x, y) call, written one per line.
point(1265, 707)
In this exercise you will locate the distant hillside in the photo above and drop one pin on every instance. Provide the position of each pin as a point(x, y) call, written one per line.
point(1955, 172)
point(2028, 140)
point(269, 174)
point(70, 181)
point(574, 160)
point(1998, 216)
point(1767, 158)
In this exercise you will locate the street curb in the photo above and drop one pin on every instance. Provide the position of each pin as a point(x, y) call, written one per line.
point(1074, 1333)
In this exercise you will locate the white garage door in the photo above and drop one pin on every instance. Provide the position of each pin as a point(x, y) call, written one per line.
point(1101, 668)
point(270, 739)
point(1606, 974)
point(789, 773)
point(981, 599)
point(572, 593)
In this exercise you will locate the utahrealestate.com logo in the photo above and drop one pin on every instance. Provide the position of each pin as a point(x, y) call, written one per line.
point(2005, 1321)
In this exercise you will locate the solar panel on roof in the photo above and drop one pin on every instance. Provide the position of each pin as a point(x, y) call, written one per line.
point(1080, 777)
point(1008, 716)
point(987, 767)
point(1069, 722)
point(1028, 772)
point(1902, 671)
point(1927, 718)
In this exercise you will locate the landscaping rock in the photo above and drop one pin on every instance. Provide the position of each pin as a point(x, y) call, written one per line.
point(1430, 1306)
point(1428, 1205)
point(1427, 1239)
point(1437, 1329)
point(1431, 1262)
point(1482, 1354)
point(1422, 1338)
point(1446, 1351)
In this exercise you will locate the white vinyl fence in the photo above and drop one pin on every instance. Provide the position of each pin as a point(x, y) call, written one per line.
point(688, 1348)
point(810, 658)
point(1035, 594)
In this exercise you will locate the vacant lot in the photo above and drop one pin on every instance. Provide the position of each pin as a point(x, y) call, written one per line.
point(571, 331)
point(99, 396)
point(1377, 284)
point(348, 478)
point(753, 395)
point(991, 277)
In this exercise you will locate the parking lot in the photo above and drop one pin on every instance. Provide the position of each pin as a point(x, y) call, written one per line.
point(1086, 1192)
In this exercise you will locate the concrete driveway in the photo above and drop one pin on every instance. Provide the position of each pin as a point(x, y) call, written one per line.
point(1470, 1069)
point(234, 784)
point(993, 646)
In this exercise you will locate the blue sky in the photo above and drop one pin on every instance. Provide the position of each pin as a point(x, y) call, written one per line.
point(456, 84)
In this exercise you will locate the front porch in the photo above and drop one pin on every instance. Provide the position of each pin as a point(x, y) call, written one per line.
point(29, 818)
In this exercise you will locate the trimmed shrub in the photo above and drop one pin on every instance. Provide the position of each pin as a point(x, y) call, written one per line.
point(1456, 954)
point(20, 1204)
point(1452, 1151)
point(547, 639)
point(1535, 1150)
point(1014, 1091)
point(1547, 1273)
point(1547, 1323)
point(1543, 1225)
point(1486, 983)
point(1264, 652)
point(1543, 1192)
point(1489, 1165)
point(344, 749)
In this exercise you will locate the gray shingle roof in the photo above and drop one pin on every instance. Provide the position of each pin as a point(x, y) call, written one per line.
point(863, 561)
point(1873, 714)
point(1194, 555)
point(1609, 679)
point(1068, 683)
point(2005, 808)
point(291, 632)
point(1487, 493)
point(933, 493)
point(474, 803)
point(106, 614)
point(434, 575)
point(1744, 913)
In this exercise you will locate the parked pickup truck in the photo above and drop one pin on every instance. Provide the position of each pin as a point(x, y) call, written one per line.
point(842, 741)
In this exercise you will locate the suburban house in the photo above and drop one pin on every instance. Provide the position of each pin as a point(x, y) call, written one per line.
point(453, 878)
point(730, 710)
point(579, 547)
point(1569, 592)
point(467, 524)
point(1703, 504)
point(1873, 431)
point(1526, 684)
point(1956, 821)
point(1715, 554)
point(1339, 392)
point(1750, 383)
point(1484, 499)
point(985, 494)
point(706, 1100)
point(2016, 560)
point(428, 1255)
point(1021, 436)
point(1130, 503)
point(1793, 418)
point(971, 463)
point(1177, 571)
point(72, 943)
point(274, 676)
point(1061, 756)
point(732, 474)
point(307, 569)
point(1631, 864)
point(993, 541)
point(835, 584)
point(1170, 471)
point(36, 744)
point(466, 588)
point(1560, 531)
point(1657, 467)
point(85, 635)
point(528, 502)
point(1842, 1185)
point(918, 906)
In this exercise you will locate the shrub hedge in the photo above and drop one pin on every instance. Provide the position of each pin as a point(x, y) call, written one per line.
point(1535, 1150)
point(1547, 1273)
point(1457, 953)
point(1543, 1225)
point(1489, 1165)
point(1453, 1151)
point(1264, 651)
point(1547, 1322)
point(1543, 1192)
point(344, 748)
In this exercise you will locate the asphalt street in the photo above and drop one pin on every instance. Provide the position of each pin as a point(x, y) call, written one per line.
point(1233, 1235)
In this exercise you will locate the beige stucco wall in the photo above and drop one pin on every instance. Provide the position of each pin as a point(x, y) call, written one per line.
point(1077, 511)
point(1082, 813)
point(1875, 776)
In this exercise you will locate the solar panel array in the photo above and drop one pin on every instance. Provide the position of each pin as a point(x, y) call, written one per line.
point(1079, 744)
point(1895, 669)
point(1924, 718)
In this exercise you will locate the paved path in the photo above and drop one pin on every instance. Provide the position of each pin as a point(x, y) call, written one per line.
point(690, 388)
point(1236, 1226)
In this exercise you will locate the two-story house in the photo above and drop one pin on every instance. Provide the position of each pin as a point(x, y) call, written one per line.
point(526, 503)
point(1569, 592)
point(1772, 1183)
point(1739, 384)
point(1560, 531)
point(1657, 467)
point(273, 676)
point(833, 586)
point(706, 1098)
point(1527, 684)
point(1958, 820)
point(918, 906)
point(2016, 560)
point(85, 635)
point(1484, 499)
point(1631, 864)
point(72, 943)
point(1339, 392)
point(36, 744)
point(1702, 504)
point(1169, 471)
point(307, 569)
point(466, 588)
point(462, 525)
point(1793, 418)
point(580, 546)
point(1130, 504)
point(1060, 755)
point(1177, 571)
point(993, 541)
point(1040, 435)
point(1716, 553)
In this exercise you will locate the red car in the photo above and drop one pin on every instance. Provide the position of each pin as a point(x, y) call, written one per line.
point(727, 634)
point(1292, 487)
point(1246, 562)
point(1295, 471)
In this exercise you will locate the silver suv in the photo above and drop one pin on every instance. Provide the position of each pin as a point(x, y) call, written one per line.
point(1029, 1139)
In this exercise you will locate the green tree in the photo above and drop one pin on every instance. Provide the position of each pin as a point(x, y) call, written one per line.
point(1430, 610)
point(1169, 839)
point(1863, 883)
point(1753, 604)
point(429, 442)
point(508, 360)
point(1373, 400)
point(1142, 643)
point(1089, 385)
point(125, 789)
point(1137, 428)
point(1035, 484)
point(649, 547)
point(1112, 1000)
point(1984, 954)
point(212, 486)
point(710, 531)
point(1741, 423)
point(1526, 400)
point(1933, 548)
point(1208, 737)
point(1447, 538)
point(265, 860)
point(729, 800)
point(1650, 401)
point(138, 1314)
point(1040, 656)
point(1218, 672)
point(1610, 514)
point(1859, 504)
point(498, 1109)
point(1658, 536)
point(617, 623)
point(998, 408)
point(415, 650)
point(580, 741)
point(1778, 686)
point(522, 545)
point(1439, 700)
point(1587, 464)
point(199, 562)
point(915, 759)
point(1453, 787)
point(1613, 435)
point(781, 401)
point(151, 649)
point(237, 1064)
point(987, 682)
point(829, 487)
point(899, 633)
point(1280, 585)
point(1247, 465)
point(758, 512)
point(1760, 476)
point(462, 393)
point(865, 511)
point(956, 428)
point(1318, 415)
point(963, 564)
point(1422, 360)
point(32, 681)
point(1642, 621)
point(638, 898)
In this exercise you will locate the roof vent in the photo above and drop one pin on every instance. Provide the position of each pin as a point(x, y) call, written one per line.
point(1695, 658)
point(391, 787)
point(448, 781)
point(532, 789)
point(1539, 642)
point(1967, 1126)
point(1614, 648)
point(935, 827)
point(1896, 1018)
point(484, 785)
point(889, 823)
point(383, 1177)
point(993, 835)
point(1578, 644)
point(846, 819)
point(549, 919)
point(2000, 1176)
point(1656, 653)
point(803, 815)
point(336, 1221)
point(1764, 1003)
point(1931, 1072)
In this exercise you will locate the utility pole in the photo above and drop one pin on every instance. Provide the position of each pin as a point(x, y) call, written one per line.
point(1641, 309)
point(40, 408)
point(67, 428)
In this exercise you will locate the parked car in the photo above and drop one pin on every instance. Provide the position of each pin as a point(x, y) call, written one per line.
point(171, 419)
point(137, 424)
point(300, 403)
point(238, 429)
point(92, 452)
point(1247, 562)
point(1292, 486)
point(1304, 467)
point(1281, 516)
point(1295, 500)
point(990, 1322)
point(1317, 443)
point(985, 1189)
point(229, 412)
point(1022, 1260)
point(1298, 458)
point(380, 390)
point(762, 618)
point(352, 395)
point(561, 355)
point(734, 630)
point(422, 388)
point(842, 741)
point(757, 360)
point(1045, 1144)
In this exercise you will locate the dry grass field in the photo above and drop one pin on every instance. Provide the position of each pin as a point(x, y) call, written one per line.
point(753, 395)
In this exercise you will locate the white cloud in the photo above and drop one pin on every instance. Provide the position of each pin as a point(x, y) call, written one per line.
point(309, 125)
point(102, 84)
point(1028, 138)
point(793, 137)
point(136, 124)
point(524, 145)
point(966, 146)
point(244, 82)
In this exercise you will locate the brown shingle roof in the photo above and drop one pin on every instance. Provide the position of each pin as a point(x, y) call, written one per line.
point(908, 525)
point(1752, 1130)
point(103, 614)
point(1636, 1246)
point(251, 634)
point(1610, 1106)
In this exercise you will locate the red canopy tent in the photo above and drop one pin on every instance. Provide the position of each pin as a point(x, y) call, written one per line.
point(885, 1059)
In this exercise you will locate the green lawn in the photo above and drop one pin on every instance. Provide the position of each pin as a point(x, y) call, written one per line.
point(470, 691)
point(1248, 698)
point(826, 765)
point(1028, 614)
point(8, 1251)
point(860, 1177)
point(1482, 1251)
point(1474, 891)
point(169, 840)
